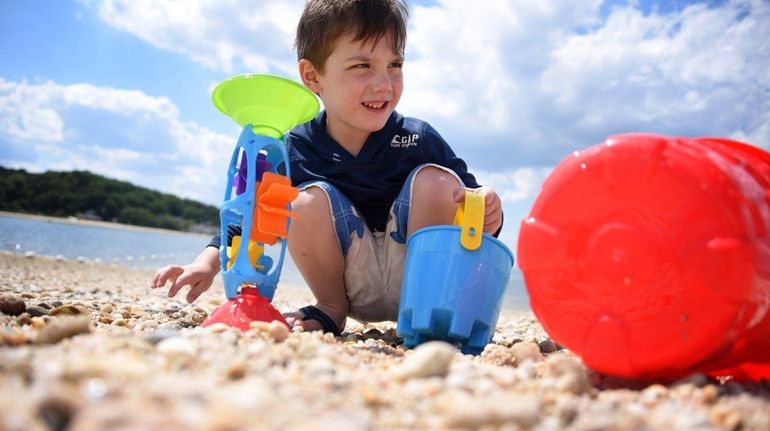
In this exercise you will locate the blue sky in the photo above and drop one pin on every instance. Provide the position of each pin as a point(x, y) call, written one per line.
point(122, 87)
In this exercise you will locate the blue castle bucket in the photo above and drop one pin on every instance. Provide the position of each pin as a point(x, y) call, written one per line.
point(454, 281)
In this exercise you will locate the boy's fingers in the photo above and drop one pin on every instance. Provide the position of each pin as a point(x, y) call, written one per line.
point(162, 276)
point(491, 219)
point(180, 282)
point(156, 279)
point(491, 226)
point(196, 291)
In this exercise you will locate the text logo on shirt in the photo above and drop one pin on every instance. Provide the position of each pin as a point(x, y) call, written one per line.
point(404, 141)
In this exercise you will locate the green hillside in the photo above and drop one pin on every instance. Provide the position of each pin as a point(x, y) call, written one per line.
point(83, 194)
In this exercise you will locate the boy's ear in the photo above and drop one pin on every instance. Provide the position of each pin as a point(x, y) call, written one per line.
point(309, 75)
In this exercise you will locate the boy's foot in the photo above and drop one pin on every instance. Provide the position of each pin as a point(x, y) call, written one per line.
point(312, 318)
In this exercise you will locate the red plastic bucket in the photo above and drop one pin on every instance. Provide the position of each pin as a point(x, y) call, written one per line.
point(649, 256)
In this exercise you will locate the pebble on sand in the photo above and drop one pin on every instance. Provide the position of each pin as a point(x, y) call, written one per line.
point(11, 304)
point(63, 327)
point(427, 360)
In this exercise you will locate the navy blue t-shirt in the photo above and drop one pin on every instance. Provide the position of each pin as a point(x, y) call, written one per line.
point(373, 178)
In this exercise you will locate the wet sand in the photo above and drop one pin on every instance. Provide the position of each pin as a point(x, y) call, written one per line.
point(87, 346)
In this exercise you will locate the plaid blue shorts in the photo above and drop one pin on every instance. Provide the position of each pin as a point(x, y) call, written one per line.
point(374, 261)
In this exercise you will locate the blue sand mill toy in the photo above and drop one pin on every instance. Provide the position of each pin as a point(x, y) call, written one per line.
point(255, 214)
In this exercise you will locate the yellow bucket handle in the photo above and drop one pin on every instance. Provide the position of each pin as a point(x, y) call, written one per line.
point(470, 218)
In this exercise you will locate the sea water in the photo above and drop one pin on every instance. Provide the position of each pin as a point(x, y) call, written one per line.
point(143, 248)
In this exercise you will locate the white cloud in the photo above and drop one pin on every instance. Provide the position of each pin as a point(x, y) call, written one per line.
point(122, 134)
point(515, 185)
point(700, 71)
point(227, 35)
point(529, 82)
point(25, 114)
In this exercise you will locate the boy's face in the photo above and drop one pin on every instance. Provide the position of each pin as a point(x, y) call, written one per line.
point(360, 87)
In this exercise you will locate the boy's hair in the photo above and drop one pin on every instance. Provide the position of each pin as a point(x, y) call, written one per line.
point(324, 21)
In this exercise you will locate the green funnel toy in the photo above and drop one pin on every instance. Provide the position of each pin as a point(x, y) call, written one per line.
point(271, 104)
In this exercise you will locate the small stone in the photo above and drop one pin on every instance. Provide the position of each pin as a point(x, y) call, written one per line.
point(12, 337)
point(37, 310)
point(498, 355)
point(24, 319)
point(259, 326)
point(569, 373)
point(547, 346)
point(147, 325)
point(526, 351)
point(172, 308)
point(725, 417)
point(216, 328)
point(489, 413)
point(57, 411)
point(11, 304)
point(353, 338)
point(278, 331)
point(68, 310)
point(427, 360)
point(107, 308)
point(709, 394)
point(178, 351)
point(62, 328)
point(695, 379)
point(37, 322)
point(237, 370)
point(159, 335)
point(136, 311)
point(191, 320)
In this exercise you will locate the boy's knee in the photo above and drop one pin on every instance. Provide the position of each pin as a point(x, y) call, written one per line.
point(310, 203)
point(435, 181)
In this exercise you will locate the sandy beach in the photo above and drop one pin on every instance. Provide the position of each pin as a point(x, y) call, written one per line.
point(87, 346)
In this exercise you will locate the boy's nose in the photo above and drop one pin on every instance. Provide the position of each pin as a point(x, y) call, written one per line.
point(381, 83)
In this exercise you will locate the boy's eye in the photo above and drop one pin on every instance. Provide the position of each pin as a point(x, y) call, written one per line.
point(361, 66)
point(398, 65)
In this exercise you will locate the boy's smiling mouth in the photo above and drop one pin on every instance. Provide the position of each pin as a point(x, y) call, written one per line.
point(375, 105)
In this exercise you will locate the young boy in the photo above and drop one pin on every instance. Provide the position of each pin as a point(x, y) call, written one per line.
point(368, 177)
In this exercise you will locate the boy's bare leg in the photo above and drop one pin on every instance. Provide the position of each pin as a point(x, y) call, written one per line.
point(314, 247)
point(433, 202)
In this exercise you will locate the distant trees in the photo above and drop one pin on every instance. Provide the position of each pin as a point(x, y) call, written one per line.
point(81, 193)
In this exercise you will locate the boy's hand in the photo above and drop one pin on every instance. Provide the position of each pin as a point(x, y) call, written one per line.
point(493, 209)
point(199, 275)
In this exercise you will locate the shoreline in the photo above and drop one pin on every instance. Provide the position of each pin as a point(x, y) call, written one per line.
point(97, 223)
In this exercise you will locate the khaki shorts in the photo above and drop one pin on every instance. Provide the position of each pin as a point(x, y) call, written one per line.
point(374, 261)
